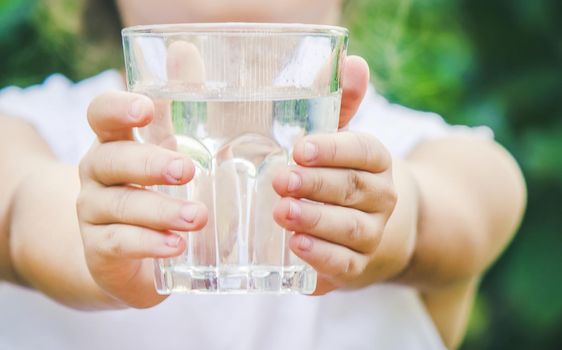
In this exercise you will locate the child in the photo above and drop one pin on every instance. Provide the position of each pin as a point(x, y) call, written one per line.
point(414, 213)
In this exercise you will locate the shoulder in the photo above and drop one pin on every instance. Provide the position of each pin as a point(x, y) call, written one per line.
point(55, 88)
point(57, 109)
point(401, 129)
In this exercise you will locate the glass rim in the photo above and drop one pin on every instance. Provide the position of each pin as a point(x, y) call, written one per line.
point(234, 29)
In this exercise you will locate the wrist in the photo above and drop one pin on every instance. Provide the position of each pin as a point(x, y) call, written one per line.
point(7, 269)
point(17, 239)
point(403, 223)
point(396, 248)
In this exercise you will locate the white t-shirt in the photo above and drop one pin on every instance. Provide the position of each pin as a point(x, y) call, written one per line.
point(377, 317)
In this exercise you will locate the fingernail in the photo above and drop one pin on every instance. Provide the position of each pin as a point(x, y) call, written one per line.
point(175, 169)
point(137, 109)
point(294, 182)
point(173, 241)
point(189, 212)
point(304, 243)
point(294, 210)
point(310, 151)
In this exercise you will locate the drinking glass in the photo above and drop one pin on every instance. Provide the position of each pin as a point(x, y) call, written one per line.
point(235, 97)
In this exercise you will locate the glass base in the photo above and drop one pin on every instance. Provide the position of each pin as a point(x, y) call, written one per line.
point(235, 279)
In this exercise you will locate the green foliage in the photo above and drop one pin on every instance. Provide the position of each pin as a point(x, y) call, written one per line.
point(12, 13)
point(418, 53)
point(32, 42)
point(38, 38)
point(492, 62)
point(497, 63)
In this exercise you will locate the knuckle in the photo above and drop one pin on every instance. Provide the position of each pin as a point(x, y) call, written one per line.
point(372, 238)
point(354, 186)
point(365, 148)
point(387, 197)
point(121, 203)
point(382, 156)
point(318, 184)
point(140, 242)
point(328, 260)
point(354, 231)
point(110, 245)
point(358, 266)
point(343, 268)
point(103, 162)
point(163, 211)
point(316, 218)
point(332, 149)
point(113, 156)
point(150, 161)
point(351, 268)
point(392, 196)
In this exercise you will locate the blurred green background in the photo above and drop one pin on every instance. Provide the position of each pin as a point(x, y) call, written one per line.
point(492, 62)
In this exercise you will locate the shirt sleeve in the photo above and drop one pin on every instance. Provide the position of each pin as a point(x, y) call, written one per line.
point(400, 129)
point(57, 109)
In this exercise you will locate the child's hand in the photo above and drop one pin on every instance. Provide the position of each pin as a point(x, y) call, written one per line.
point(122, 223)
point(350, 175)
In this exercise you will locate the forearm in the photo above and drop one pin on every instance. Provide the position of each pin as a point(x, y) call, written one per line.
point(45, 241)
point(7, 271)
point(40, 244)
point(448, 233)
point(435, 265)
point(459, 203)
point(20, 147)
point(471, 197)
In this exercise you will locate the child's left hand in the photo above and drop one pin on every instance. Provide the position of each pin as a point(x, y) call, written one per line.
point(350, 175)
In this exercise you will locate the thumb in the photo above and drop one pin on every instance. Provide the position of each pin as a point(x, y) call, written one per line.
point(355, 79)
point(112, 115)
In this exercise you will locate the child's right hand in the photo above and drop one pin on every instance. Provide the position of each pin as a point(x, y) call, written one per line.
point(122, 223)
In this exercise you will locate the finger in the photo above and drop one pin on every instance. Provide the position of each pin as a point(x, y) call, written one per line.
point(130, 162)
point(119, 241)
point(112, 115)
point(185, 70)
point(336, 263)
point(354, 82)
point(130, 281)
point(184, 63)
point(342, 150)
point(140, 207)
point(161, 129)
point(351, 228)
point(349, 188)
point(324, 285)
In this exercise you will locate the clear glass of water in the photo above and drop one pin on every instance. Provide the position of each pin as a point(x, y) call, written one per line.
point(235, 97)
